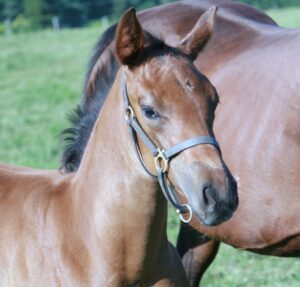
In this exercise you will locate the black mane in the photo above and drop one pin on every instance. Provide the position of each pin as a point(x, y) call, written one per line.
point(85, 114)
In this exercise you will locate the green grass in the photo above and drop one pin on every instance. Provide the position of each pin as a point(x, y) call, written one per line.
point(288, 17)
point(235, 268)
point(41, 77)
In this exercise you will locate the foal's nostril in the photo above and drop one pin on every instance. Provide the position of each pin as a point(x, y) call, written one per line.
point(208, 198)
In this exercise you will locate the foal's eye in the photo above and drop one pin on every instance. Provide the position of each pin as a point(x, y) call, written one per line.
point(150, 113)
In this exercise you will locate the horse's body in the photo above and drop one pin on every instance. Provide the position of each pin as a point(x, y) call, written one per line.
point(98, 227)
point(259, 127)
point(255, 65)
point(53, 235)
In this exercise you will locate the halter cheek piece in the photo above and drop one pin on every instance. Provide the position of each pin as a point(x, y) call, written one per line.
point(161, 157)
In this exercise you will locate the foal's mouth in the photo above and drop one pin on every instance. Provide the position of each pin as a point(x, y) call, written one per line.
point(216, 214)
point(222, 212)
point(216, 218)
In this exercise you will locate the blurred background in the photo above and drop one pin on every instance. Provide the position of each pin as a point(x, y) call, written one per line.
point(26, 15)
point(44, 49)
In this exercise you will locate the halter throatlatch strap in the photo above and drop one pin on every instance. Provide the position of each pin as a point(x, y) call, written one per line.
point(161, 157)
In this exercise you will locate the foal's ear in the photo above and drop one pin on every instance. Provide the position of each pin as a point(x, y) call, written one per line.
point(195, 40)
point(129, 39)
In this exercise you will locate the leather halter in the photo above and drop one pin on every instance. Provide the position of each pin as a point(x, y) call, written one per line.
point(161, 156)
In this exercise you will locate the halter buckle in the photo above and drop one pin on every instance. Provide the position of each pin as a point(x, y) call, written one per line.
point(161, 162)
point(129, 113)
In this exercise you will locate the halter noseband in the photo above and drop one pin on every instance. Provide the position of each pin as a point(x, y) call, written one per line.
point(161, 156)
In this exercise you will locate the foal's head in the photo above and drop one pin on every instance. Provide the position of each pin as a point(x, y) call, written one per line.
point(173, 102)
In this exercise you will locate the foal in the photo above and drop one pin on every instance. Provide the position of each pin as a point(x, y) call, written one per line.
point(105, 225)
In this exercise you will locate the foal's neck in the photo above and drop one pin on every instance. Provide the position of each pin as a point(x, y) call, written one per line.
point(129, 212)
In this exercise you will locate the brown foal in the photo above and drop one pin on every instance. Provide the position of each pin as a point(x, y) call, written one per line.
point(105, 225)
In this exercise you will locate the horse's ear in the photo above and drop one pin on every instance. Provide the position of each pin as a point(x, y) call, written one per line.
point(129, 39)
point(196, 39)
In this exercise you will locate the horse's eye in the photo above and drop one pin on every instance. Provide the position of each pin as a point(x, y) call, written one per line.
point(150, 113)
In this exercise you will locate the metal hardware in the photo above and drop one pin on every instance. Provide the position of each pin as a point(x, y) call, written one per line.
point(190, 211)
point(161, 162)
point(129, 113)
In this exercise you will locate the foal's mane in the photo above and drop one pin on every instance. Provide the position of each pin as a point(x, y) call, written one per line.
point(102, 70)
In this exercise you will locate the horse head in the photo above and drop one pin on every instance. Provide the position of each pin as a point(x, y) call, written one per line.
point(170, 108)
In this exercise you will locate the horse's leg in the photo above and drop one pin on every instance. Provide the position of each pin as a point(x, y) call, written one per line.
point(169, 271)
point(198, 259)
point(197, 253)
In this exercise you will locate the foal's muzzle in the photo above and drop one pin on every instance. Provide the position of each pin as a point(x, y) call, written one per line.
point(212, 192)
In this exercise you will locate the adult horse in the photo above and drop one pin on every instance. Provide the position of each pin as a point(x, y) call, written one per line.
point(254, 64)
point(97, 227)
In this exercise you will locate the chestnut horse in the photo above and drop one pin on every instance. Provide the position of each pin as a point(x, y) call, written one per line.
point(105, 224)
point(255, 66)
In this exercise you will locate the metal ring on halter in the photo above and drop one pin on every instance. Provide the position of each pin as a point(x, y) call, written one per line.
point(129, 113)
point(190, 211)
point(161, 162)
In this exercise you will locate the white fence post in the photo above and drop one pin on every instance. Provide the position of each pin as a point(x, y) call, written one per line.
point(8, 27)
point(55, 23)
point(104, 22)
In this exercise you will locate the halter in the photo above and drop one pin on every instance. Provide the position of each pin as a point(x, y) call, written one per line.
point(161, 156)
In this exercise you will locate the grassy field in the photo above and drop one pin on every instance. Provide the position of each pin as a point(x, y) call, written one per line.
point(40, 80)
point(41, 77)
point(289, 17)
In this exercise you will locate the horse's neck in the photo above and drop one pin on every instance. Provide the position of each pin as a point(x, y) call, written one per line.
point(233, 35)
point(128, 211)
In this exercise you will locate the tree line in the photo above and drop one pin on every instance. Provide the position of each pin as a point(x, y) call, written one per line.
point(34, 14)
